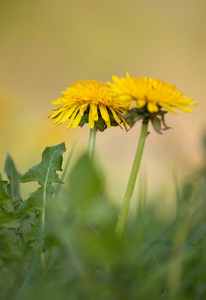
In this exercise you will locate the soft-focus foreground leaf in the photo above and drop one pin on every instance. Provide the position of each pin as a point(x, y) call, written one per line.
point(7, 220)
point(14, 177)
point(84, 183)
point(5, 201)
point(10, 250)
point(160, 256)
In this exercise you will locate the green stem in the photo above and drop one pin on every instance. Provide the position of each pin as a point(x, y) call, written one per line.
point(91, 145)
point(131, 183)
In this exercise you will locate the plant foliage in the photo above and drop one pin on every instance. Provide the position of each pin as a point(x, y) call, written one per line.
point(157, 258)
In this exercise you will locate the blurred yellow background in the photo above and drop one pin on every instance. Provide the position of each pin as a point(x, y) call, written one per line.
point(45, 45)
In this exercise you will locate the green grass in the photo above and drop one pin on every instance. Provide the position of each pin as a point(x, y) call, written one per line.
point(156, 258)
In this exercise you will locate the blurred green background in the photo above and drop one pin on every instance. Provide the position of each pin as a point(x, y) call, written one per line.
point(45, 45)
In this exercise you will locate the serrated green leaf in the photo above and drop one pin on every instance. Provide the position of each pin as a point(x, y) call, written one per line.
point(45, 174)
point(7, 220)
point(35, 202)
point(9, 247)
point(13, 176)
point(45, 171)
point(5, 201)
point(30, 228)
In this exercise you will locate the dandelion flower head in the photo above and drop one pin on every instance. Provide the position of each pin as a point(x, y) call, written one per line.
point(151, 94)
point(89, 101)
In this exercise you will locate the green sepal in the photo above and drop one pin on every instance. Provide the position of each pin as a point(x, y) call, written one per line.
point(137, 114)
point(156, 123)
point(100, 123)
point(132, 116)
point(84, 119)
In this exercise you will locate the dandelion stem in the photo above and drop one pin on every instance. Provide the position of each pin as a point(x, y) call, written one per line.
point(131, 183)
point(91, 145)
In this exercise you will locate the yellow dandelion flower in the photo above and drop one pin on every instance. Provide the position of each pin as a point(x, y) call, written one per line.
point(151, 94)
point(89, 101)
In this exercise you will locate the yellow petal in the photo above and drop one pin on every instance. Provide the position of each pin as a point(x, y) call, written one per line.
point(93, 108)
point(58, 101)
point(115, 79)
point(56, 112)
point(59, 117)
point(83, 107)
point(125, 124)
point(91, 120)
point(168, 107)
point(77, 120)
point(72, 118)
point(152, 107)
point(115, 117)
point(68, 114)
point(141, 103)
point(181, 107)
point(104, 114)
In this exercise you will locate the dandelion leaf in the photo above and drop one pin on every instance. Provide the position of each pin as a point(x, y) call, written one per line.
point(9, 249)
point(5, 201)
point(7, 220)
point(13, 176)
point(45, 174)
point(31, 227)
point(85, 183)
point(198, 235)
point(45, 171)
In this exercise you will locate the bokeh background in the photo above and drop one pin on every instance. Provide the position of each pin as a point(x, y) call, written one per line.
point(45, 45)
